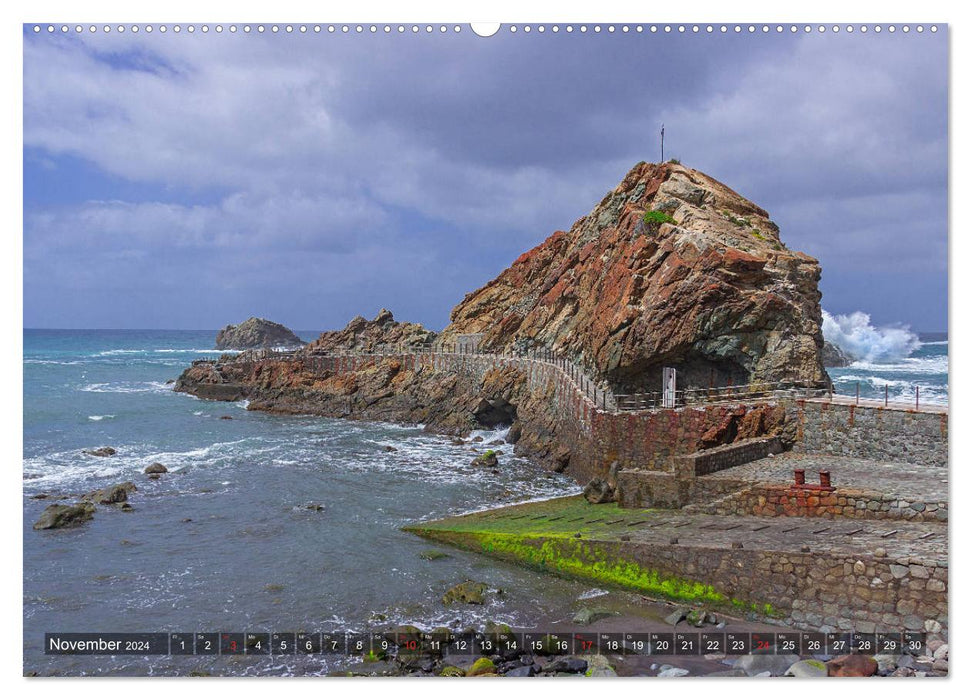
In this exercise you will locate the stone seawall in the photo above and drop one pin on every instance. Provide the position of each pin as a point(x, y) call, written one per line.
point(814, 582)
point(877, 433)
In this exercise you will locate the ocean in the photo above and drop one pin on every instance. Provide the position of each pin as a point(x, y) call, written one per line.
point(924, 370)
point(225, 541)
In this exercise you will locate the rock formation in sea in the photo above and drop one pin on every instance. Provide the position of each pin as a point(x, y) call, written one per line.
point(381, 333)
point(834, 356)
point(256, 333)
point(671, 268)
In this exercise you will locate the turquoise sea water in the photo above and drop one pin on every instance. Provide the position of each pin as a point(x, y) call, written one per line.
point(224, 543)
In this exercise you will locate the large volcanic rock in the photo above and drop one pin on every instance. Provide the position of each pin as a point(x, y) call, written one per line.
point(381, 333)
point(705, 286)
point(835, 356)
point(256, 333)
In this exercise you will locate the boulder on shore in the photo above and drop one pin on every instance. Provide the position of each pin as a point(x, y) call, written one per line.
point(852, 666)
point(256, 333)
point(599, 491)
point(57, 516)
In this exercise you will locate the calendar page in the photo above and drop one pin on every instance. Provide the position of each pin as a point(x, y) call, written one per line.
point(525, 350)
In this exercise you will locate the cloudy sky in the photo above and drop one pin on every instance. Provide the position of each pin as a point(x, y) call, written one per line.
point(189, 181)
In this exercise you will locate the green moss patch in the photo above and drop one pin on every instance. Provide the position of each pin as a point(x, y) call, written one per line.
point(570, 537)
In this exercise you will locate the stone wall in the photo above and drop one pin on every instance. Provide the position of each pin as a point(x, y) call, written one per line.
point(772, 500)
point(814, 590)
point(718, 458)
point(872, 432)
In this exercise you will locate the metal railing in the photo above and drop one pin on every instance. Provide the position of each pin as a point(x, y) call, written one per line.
point(597, 393)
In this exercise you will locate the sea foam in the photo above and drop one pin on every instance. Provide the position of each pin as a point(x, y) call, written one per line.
point(857, 336)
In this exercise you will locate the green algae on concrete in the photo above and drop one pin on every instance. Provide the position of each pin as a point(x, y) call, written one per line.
point(573, 538)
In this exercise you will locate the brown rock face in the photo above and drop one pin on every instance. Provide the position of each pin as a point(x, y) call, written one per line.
point(381, 333)
point(256, 333)
point(705, 286)
point(852, 666)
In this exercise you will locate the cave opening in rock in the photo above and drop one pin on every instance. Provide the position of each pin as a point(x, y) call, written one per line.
point(495, 412)
point(693, 372)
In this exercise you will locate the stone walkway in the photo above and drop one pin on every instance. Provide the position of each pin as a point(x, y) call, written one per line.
point(843, 400)
point(924, 543)
point(906, 481)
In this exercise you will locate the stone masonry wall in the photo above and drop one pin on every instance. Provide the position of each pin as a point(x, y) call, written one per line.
point(840, 503)
point(874, 433)
point(810, 590)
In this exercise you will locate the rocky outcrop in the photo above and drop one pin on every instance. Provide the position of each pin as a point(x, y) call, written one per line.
point(379, 334)
point(256, 333)
point(834, 356)
point(672, 268)
point(703, 283)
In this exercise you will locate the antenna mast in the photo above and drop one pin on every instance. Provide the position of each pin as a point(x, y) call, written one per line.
point(662, 143)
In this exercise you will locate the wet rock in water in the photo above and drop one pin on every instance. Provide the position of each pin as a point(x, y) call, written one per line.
point(433, 555)
point(57, 516)
point(599, 491)
point(156, 468)
point(111, 495)
point(154, 477)
point(481, 666)
point(170, 381)
point(225, 417)
point(468, 592)
point(514, 433)
point(389, 448)
point(101, 452)
point(852, 666)
point(486, 459)
point(585, 616)
point(775, 665)
point(477, 438)
point(127, 507)
point(496, 442)
point(315, 507)
point(40, 496)
point(457, 441)
point(807, 668)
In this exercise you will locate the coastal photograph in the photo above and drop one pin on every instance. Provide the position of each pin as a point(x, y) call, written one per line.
point(534, 350)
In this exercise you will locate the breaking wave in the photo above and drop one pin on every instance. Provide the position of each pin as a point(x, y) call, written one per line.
point(860, 339)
